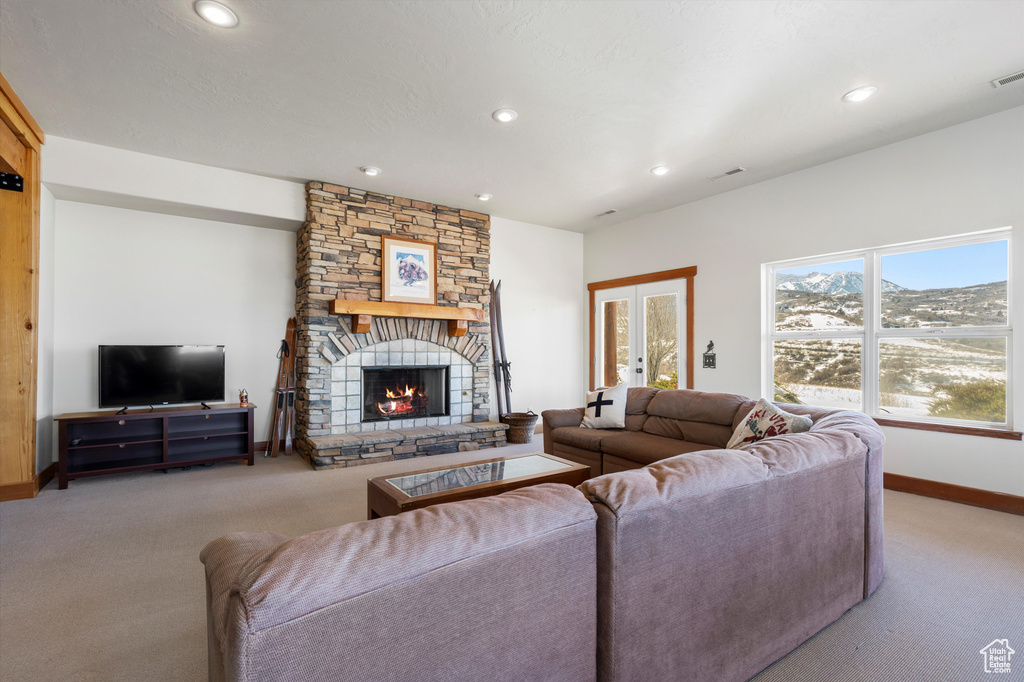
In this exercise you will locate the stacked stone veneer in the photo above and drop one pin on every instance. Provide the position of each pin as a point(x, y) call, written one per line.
point(339, 256)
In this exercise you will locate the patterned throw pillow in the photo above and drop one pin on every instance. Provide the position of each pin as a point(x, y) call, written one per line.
point(606, 408)
point(765, 421)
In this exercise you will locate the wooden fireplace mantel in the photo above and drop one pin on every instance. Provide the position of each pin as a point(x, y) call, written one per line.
point(362, 313)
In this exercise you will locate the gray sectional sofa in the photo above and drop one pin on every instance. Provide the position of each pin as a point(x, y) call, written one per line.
point(709, 565)
point(498, 588)
point(666, 423)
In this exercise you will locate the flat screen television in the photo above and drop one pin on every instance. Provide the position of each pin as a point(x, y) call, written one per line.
point(160, 375)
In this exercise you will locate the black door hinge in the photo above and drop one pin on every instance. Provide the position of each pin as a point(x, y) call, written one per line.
point(14, 183)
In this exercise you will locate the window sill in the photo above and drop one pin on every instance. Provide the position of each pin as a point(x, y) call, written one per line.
point(950, 428)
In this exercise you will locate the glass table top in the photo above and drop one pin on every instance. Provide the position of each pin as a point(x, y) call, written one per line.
point(429, 482)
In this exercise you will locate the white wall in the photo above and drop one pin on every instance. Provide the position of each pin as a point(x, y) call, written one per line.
point(45, 427)
point(961, 179)
point(134, 277)
point(544, 313)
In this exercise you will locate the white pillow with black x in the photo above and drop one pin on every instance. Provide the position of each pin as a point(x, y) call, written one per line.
point(606, 408)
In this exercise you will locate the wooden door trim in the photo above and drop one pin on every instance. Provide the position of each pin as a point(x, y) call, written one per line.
point(679, 273)
point(19, 306)
point(14, 113)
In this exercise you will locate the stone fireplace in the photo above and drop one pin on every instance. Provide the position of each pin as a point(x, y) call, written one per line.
point(438, 382)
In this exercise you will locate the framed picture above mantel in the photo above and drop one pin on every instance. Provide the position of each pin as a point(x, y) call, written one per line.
point(409, 271)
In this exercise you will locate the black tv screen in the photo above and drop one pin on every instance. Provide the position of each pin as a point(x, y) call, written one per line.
point(160, 375)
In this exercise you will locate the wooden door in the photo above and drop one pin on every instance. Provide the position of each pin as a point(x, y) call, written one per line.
point(639, 330)
point(20, 141)
point(620, 326)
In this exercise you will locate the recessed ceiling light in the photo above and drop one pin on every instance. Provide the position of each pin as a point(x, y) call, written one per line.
point(860, 94)
point(370, 170)
point(216, 13)
point(504, 115)
point(484, 196)
point(660, 170)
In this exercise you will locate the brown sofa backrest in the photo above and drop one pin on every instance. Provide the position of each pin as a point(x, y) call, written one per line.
point(694, 416)
point(637, 400)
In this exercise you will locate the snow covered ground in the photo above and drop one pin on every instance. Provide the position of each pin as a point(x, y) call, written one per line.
point(849, 399)
point(826, 396)
point(808, 321)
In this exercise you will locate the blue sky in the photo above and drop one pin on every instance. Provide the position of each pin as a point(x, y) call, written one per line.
point(957, 266)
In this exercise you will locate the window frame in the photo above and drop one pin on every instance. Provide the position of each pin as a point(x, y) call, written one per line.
point(871, 333)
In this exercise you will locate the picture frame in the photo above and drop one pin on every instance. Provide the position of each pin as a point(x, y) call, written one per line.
point(408, 271)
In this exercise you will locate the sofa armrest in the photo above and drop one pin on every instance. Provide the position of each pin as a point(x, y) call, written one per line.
point(554, 419)
point(865, 428)
point(377, 600)
point(224, 559)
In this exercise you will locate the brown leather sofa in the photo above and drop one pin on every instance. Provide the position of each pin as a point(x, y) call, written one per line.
point(659, 424)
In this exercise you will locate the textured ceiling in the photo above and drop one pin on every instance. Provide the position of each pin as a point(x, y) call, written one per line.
point(313, 89)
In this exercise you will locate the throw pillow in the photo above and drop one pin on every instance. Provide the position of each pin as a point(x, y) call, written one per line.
point(606, 408)
point(765, 421)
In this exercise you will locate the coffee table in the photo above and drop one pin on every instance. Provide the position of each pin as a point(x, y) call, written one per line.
point(390, 495)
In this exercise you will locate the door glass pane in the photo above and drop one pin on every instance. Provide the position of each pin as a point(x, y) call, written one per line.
point(818, 372)
point(614, 343)
point(661, 325)
point(958, 286)
point(956, 378)
point(824, 296)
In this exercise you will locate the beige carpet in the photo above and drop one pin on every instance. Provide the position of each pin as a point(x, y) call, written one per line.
point(103, 582)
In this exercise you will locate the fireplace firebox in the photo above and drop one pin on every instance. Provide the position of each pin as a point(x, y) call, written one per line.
point(406, 392)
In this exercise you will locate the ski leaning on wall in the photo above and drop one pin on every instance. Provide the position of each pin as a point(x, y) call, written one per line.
point(502, 377)
point(284, 396)
point(521, 424)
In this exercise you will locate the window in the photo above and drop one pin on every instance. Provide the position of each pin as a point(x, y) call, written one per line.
point(918, 332)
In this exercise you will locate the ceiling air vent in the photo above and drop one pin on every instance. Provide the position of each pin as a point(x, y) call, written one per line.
point(734, 171)
point(1006, 80)
point(608, 212)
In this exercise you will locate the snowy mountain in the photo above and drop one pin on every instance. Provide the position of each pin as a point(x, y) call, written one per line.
point(836, 283)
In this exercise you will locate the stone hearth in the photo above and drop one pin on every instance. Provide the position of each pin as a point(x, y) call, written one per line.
point(339, 257)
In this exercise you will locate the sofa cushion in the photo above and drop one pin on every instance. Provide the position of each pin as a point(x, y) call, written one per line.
point(611, 464)
point(554, 419)
point(590, 458)
point(696, 406)
point(605, 408)
point(698, 432)
point(675, 480)
point(579, 437)
point(638, 398)
point(765, 421)
point(796, 452)
point(741, 414)
point(635, 422)
point(646, 448)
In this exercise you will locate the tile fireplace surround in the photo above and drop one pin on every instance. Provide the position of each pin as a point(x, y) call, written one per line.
point(339, 257)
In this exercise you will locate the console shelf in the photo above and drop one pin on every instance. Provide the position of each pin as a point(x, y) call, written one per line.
point(99, 443)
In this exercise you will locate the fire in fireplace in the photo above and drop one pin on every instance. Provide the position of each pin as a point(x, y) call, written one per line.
point(406, 392)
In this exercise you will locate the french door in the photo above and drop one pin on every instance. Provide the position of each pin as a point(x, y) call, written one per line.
point(640, 335)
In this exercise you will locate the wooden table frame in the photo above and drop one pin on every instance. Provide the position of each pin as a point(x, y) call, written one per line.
point(384, 499)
